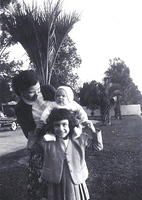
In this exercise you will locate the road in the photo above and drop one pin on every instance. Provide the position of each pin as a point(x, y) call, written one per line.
point(11, 141)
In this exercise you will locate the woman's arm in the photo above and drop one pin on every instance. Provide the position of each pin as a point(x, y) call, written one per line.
point(24, 117)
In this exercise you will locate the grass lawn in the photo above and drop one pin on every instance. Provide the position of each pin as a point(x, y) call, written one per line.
point(115, 173)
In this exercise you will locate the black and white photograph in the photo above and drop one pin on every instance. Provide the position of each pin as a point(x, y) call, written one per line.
point(70, 100)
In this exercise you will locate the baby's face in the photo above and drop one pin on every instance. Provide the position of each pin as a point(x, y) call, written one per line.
point(61, 97)
point(61, 128)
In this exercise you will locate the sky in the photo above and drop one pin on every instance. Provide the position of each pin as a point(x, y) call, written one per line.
point(107, 29)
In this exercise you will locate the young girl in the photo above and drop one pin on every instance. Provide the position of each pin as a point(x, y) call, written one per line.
point(64, 168)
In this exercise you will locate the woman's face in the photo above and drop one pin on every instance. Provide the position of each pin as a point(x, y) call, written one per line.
point(61, 128)
point(32, 92)
point(61, 97)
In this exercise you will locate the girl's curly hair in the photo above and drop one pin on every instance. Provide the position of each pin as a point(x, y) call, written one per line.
point(58, 115)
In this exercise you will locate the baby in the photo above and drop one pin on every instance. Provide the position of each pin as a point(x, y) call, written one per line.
point(64, 98)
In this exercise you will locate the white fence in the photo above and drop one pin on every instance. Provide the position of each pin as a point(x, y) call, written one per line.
point(131, 109)
point(125, 110)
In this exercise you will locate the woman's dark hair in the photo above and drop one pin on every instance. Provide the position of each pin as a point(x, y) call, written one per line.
point(48, 92)
point(24, 80)
point(58, 115)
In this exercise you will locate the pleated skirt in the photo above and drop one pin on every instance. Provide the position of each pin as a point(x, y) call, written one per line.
point(66, 189)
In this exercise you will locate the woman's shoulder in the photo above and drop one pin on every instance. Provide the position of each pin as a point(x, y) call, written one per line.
point(22, 106)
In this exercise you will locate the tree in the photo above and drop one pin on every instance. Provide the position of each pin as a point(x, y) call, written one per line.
point(4, 3)
point(5, 94)
point(96, 95)
point(6, 39)
point(7, 71)
point(118, 74)
point(132, 95)
point(41, 32)
point(7, 68)
point(89, 95)
point(67, 61)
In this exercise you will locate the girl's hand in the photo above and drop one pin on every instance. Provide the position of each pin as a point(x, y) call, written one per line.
point(89, 124)
point(77, 131)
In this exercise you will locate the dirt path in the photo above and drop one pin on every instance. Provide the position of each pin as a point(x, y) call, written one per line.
point(11, 141)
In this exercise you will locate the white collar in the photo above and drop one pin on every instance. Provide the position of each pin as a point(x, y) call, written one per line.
point(40, 97)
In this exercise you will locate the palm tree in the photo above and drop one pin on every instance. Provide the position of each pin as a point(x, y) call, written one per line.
point(41, 31)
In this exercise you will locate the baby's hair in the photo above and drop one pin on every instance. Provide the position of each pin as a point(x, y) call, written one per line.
point(48, 92)
point(58, 115)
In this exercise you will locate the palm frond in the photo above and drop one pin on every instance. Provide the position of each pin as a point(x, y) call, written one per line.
point(41, 32)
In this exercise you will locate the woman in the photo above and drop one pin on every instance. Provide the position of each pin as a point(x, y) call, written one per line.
point(28, 111)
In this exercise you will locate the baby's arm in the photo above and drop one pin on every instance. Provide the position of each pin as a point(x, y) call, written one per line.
point(81, 115)
point(41, 124)
point(45, 115)
point(49, 107)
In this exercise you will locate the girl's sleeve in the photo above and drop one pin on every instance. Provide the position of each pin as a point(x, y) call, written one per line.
point(97, 141)
point(93, 136)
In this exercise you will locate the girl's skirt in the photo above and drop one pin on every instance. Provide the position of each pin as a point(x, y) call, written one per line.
point(66, 189)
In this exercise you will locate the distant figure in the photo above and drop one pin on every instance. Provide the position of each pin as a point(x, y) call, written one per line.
point(117, 106)
point(105, 106)
point(105, 111)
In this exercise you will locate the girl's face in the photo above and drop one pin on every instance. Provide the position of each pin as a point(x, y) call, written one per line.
point(61, 128)
point(61, 97)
